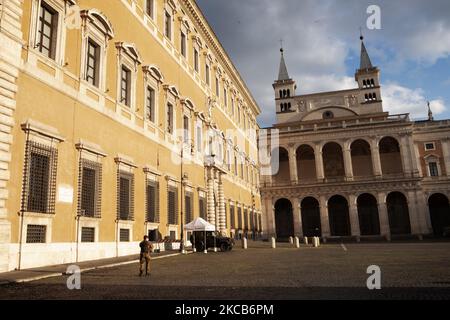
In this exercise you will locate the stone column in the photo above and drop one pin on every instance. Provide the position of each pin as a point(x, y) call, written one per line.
point(221, 206)
point(423, 213)
point(298, 230)
point(210, 205)
point(405, 155)
point(354, 219)
point(324, 220)
point(10, 59)
point(446, 153)
point(319, 163)
point(376, 161)
point(273, 228)
point(264, 220)
point(348, 162)
point(413, 157)
point(419, 165)
point(293, 165)
point(413, 214)
point(383, 215)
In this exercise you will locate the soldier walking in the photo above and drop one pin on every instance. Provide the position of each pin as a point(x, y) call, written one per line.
point(146, 248)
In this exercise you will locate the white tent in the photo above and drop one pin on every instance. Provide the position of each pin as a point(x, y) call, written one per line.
point(199, 224)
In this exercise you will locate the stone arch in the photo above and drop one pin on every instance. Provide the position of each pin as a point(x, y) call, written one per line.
point(390, 157)
point(306, 163)
point(439, 207)
point(369, 221)
point(398, 212)
point(333, 160)
point(280, 166)
point(310, 211)
point(338, 213)
point(361, 158)
point(284, 219)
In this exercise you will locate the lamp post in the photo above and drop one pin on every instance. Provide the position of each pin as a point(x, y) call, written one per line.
point(182, 197)
point(182, 177)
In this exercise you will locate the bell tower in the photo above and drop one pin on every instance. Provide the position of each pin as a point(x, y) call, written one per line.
point(368, 78)
point(284, 88)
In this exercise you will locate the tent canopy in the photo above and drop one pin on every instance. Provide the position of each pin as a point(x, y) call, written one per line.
point(199, 224)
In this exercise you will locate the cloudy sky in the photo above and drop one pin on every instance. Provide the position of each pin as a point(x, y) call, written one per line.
point(321, 42)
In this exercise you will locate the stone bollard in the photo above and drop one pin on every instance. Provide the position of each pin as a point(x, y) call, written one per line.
point(297, 242)
point(316, 242)
point(244, 243)
point(305, 240)
point(291, 240)
point(274, 244)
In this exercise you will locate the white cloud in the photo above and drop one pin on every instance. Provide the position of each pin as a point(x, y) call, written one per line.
point(324, 83)
point(428, 44)
point(398, 99)
point(322, 46)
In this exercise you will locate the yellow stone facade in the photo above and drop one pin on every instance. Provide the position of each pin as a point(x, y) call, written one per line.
point(53, 120)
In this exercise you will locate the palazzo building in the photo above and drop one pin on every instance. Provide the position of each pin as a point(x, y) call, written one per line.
point(118, 118)
point(344, 167)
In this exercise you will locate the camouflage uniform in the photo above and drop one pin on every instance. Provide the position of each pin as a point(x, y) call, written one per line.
point(146, 248)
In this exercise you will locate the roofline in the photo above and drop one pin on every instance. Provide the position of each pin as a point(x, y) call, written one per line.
point(195, 10)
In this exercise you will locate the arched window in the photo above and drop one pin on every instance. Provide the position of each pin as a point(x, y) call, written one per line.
point(375, 97)
point(96, 34)
point(281, 93)
point(288, 93)
point(364, 83)
point(366, 96)
point(372, 82)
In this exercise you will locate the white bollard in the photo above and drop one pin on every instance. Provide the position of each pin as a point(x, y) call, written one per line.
point(244, 243)
point(274, 244)
point(291, 240)
point(305, 240)
point(297, 242)
point(316, 242)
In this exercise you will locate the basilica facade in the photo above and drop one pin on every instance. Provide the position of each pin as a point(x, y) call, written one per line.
point(342, 167)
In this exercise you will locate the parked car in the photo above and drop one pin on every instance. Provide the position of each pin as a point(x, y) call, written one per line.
point(219, 241)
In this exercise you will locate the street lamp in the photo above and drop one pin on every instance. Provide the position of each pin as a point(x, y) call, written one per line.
point(182, 179)
point(182, 198)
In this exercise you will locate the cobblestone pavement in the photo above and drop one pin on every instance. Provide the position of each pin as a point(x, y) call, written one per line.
point(332, 271)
